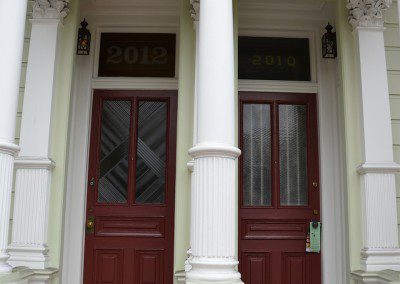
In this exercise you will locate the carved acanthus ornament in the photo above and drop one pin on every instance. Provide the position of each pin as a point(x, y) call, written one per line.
point(367, 13)
point(195, 10)
point(50, 9)
point(188, 266)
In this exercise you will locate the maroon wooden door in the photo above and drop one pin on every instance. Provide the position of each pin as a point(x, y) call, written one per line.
point(130, 196)
point(279, 191)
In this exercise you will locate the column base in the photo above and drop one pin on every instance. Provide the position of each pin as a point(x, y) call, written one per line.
point(34, 257)
point(210, 270)
point(4, 266)
point(380, 259)
point(382, 277)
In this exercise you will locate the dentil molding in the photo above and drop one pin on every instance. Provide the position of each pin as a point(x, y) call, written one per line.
point(50, 9)
point(367, 13)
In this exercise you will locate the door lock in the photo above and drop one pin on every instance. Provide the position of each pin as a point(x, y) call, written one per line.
point(92, 182)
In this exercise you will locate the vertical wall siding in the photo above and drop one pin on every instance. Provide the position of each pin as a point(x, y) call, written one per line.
point(392, 45)
point(21, 90)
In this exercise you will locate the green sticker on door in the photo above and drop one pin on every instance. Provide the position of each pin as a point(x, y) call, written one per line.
point(313, 242)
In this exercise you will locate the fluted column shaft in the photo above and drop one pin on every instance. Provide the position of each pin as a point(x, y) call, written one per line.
point(12, 27)
point(213, 192)
point(378, 193)
point(34, 166)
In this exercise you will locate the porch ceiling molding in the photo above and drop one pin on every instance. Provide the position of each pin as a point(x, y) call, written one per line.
point(367, 13)
point(50, 9)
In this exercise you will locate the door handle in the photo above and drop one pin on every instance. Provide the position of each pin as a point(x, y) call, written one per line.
point(90, 224)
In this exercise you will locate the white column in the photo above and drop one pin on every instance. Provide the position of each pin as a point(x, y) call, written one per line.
point(378, 192)
point(12, 27)
point(33, 167)
point(213, 205)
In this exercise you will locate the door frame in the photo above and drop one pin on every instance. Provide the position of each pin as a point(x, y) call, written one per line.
point(325, 82)
point(85, 83)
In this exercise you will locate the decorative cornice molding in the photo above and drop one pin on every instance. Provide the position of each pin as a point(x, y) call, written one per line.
point(50, 9)
point(195, 10)
point(367, 13)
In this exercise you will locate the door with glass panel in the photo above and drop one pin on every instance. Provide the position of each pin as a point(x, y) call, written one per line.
point(279, 188)
point(130, 194)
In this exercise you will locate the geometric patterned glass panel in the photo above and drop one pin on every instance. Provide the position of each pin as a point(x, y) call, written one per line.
point(151, 152)
point(293, 155)
point(256, 155)
point(114, 152)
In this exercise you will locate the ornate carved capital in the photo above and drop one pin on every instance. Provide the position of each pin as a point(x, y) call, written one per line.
point(50, 9)
point(367, 13)
point(195, 10)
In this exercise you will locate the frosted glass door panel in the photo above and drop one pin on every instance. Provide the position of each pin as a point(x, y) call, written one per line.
point(256, 155)
point(293, 155)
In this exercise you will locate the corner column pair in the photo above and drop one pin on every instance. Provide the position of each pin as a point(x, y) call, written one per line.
point(33, 166)
point(377, 172)
point(213, 218)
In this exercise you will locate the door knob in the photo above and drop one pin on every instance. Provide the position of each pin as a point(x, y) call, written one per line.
point(90, 224)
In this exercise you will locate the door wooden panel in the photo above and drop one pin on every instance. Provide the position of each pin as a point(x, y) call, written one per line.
point(279, 187)
point(130, 195)
point(295, 268)
point(257, 266)
point(109, 266)
point(149, 266)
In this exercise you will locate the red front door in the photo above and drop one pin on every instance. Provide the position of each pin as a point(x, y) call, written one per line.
point(279, 188)
point(130, 196)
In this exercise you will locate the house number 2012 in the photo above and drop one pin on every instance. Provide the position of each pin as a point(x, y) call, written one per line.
point(271, 60)
point(137, 55)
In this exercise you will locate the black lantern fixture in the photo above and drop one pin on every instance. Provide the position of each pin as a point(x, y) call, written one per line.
point(83, 46)
point(329, 48)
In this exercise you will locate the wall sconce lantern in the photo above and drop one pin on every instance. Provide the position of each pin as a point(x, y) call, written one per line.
point(83, 46)
point(329, 48)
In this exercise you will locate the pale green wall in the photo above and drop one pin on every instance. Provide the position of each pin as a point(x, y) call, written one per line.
point(184, 134)
point(392, 46)
point(351, 132)
point(59, 133)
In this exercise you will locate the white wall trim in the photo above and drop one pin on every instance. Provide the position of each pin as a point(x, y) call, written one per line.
point(277, 86)
point(135, 83)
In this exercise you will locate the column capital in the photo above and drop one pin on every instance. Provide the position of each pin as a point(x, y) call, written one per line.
point(195, 10)
point(367, 13)
point(50, 9)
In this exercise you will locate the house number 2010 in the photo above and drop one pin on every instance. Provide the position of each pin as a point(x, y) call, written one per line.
point(135, 55)
point(271, 60)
